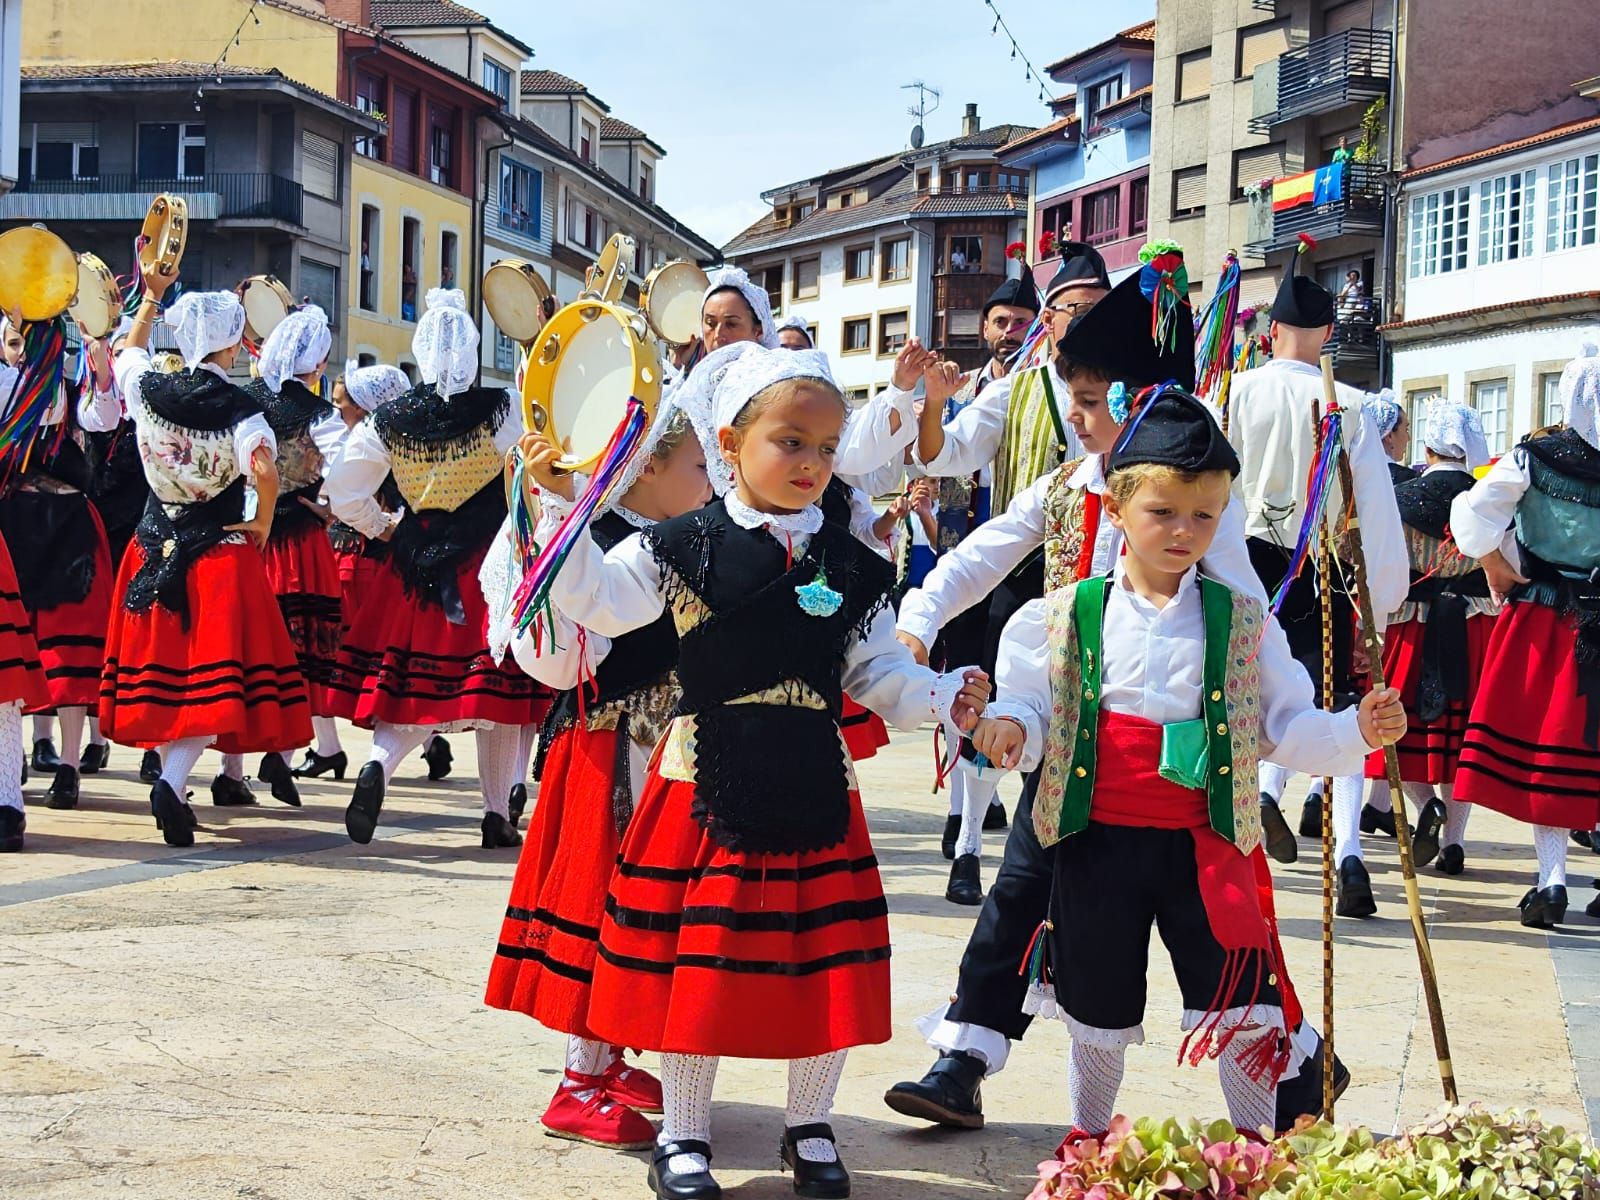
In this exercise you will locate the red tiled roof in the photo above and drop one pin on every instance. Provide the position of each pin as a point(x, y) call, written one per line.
point(425, 12)
point(1127, 100)
point(147, 70)
point(1566, 298)
point(1141, 34)
point(967, 202)
point(549, 82)
point(1145, 32)
point(1537, 139)
point(1054, 129)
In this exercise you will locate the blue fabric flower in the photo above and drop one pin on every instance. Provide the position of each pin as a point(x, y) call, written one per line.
point(817, 599)
point(1118, 402)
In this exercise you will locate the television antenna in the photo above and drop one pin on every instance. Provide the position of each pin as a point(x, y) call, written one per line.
point(921, 108)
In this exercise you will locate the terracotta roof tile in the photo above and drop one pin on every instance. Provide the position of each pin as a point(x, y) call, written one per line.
point(1565, 298)
point(967, 202)
point(176, 71)
point(1128, 99)
point(549, 82)
point(1054, 129)
point(425, 12)
point(1143, 33)
point(1537, 139)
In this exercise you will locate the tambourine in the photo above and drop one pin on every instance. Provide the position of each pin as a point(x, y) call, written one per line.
point(164, 234)
point(266, 303)
point(38, 274)
point(608, 278)
point(98, 304)
point(515, 294)
point(671, 299)
point(591, 357)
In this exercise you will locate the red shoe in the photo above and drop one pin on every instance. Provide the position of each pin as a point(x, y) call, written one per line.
point(633, 1086)
point(599, 1120)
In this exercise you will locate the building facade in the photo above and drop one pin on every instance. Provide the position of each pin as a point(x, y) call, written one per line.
point(1501, 265)
point(10, 89)
point(907, 245)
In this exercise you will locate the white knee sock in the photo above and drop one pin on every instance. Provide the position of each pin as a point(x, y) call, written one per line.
point(96, 738)
point(497, 765)
point(1456, 813)
point(1252, 1102)
point(178, 760)
point(1094, 1077)
point(527, 742)
point(1346, 817)
point(1273, 779)
point(586, 1057)
point(813, 1082)
point(11, 754)
point(686, 1083)
point(1550, 844)
point(391, 743)
point(233, 766)
point(958, 791)
point(43, 726)
point(327, 731)
point(1418, 793)
point(974, 807)
point(71, 733)
point(1379, 796)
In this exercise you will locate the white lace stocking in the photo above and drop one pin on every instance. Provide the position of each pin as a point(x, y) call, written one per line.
point(1094, 1077)
point(12, 755)
point(686, 1083)
point(1550, 844)
point(813, 1082)
point(1252, 1103)
point(1346, 818)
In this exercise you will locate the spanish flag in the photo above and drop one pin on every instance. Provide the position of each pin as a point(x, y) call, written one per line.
point(1293, 190)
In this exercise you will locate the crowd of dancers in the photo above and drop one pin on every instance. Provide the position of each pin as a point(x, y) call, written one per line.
point(1109, 574)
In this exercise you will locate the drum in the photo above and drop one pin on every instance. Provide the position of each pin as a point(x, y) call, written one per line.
point(38, 274)
point(165, 234)
point(608, 278)
point(515, 293)
point(671, 298)
point(98, 305)
point(266, 303)
point(591, 358)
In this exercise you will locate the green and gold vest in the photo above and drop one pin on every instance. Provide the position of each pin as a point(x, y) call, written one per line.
point(1035, 437)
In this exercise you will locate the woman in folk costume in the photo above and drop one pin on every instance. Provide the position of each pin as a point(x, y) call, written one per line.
point(1435, 645)
point(416, 655)
point(746, 916)
point(298, 555)
point(1145, 698)
point(55, 535)
point(1533, 736)
point(593, 765)
point(196, 652)
point(22, 685)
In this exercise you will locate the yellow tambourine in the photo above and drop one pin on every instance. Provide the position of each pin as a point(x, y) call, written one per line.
point(591, 357)
point(165, 234)
point(671, 298)
point(38, 274)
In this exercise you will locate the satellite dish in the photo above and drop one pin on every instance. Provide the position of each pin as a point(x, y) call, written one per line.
point(916, 137)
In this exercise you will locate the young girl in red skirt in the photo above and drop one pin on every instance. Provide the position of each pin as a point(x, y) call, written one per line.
point(58, 544)
point(22, 685)
point(1434, 648)
point(746, 916)
point(196, 653)
point(416, 655)
point(594, 760)
point(1533, 736)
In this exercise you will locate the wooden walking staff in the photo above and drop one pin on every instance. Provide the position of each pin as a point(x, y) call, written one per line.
point(1323, 567)
point(1391, 762)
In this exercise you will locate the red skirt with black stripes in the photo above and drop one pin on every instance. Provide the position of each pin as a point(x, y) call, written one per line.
point(544, 963)
point(72, 637)
point(1430, 750)
point(403, 662)
point(231, 674)
point(305, 577)
point(21, 675)
point(1530, 750)
point(708, 951)
point(864, 731)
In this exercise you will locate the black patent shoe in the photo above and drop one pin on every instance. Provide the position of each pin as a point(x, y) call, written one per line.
point(1544, 909)
point(1377, 821)
point(823, 1180)
point(63, 791)
point(13, 824)
point(150, 766)
point(965, 886)
point(227, 792)
point(947, 840)
point(174, 818)
point(1430, 824)
point(1276, 834)
point(1355, 889)
point(1311, 817)
point(437, 753)
point(498, 832)
point(691, 1185)
point(950, 1094)
point(276, 772)
point(314, 765)
point(517, 803)
point(94, 758)
point(45, 758)
point(1452, 860)
point(995, 818)
point(1583, 837)
point(1302, 1095)
point(1593, 907)
point(361, 817)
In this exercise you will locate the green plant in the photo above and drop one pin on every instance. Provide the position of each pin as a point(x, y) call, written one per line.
point(1165, 1160)
point(1374, 129)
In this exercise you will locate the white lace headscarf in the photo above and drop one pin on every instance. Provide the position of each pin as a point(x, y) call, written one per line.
point(203, 323)
point(446, 343)
point(371, 386)
point(1580, 393)
point(1384, 409)
point(665, 412)
point(298, 346)
point(756, 297)
point(752, 373)
point(1456, 431)
point(800, 324)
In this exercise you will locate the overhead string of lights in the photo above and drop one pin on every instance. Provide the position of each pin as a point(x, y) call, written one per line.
point(1000, 27)
point(249, 15)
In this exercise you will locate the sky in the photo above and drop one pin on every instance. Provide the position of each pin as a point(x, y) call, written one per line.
point(746, 97)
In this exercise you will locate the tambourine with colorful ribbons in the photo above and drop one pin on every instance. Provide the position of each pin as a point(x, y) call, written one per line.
point(164, 235)
point(97, 307)
point(670, 299)
point(266, 303)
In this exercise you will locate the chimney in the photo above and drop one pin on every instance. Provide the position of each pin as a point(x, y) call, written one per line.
point(970, 123)
point(357, 12)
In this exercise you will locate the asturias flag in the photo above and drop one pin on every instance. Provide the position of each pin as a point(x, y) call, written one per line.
point(1322, 186)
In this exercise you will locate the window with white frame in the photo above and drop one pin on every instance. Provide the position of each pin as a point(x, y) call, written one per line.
point(1438, 232)
point(1551, 409)
point(1489, 397)
point(497, 79)
point(520, 198)
point(1573, 194)
point(1505, 217)
point(505, 354)
point(61, 150)
point(1417, 418)
point(1098, 96)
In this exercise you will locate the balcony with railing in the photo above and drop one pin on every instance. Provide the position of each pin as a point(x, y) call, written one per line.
point(1360, 211)
point(954, 291)
point(1266, 6)
point(239, 197)
point(1355, 341)
point(1353, 67)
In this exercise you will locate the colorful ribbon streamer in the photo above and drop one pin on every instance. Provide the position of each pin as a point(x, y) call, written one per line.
point(1214, 332)
point(22, 427)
